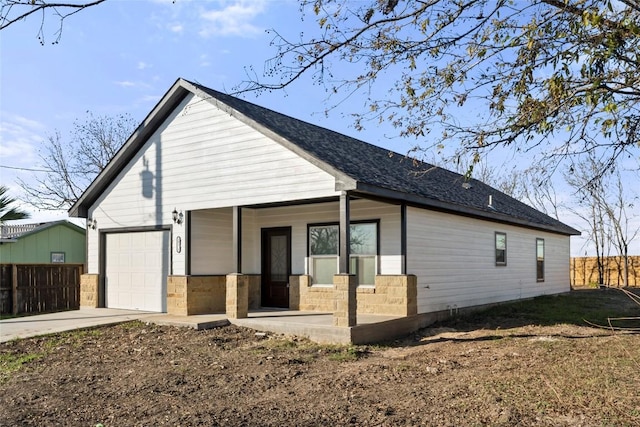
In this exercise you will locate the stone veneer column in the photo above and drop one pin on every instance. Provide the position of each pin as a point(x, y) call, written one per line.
point(294, 292)
point(237, 296)
point(344, 300)
point(89, 290)
point(177, 295)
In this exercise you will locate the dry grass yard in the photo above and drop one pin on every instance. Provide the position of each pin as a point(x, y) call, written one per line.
point(535, 363)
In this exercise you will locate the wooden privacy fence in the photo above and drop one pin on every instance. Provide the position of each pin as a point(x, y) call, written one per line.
point(37, 288)
point(584, 271)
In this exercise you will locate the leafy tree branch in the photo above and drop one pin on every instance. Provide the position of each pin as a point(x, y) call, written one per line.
point(8, 212)
point(560, 77)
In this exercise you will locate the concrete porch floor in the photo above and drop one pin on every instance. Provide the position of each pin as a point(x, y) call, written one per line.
point(313, 325)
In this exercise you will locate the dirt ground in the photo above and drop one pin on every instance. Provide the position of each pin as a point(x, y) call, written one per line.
point(503, 370)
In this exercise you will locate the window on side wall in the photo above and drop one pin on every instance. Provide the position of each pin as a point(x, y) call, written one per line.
point(324, 243)
point(57, 257)
point(501, 248)
point(540, 260)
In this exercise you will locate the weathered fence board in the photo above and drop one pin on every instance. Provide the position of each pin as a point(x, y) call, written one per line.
point(584, 271)
point(30, 288)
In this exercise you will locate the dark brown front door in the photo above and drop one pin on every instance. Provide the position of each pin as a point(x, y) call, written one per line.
point(276, 266)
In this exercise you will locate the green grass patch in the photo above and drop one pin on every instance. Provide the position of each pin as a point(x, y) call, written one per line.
point(347, 353)
point(134, 324)
point(577, 307)
point(10, 363)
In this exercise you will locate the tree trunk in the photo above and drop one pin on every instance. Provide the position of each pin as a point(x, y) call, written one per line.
point(626, 267)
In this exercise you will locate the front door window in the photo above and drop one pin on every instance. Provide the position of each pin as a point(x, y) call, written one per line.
point(278, 258)
point(276, 266)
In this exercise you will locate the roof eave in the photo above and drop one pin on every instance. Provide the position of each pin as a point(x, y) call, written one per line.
point(460, 210)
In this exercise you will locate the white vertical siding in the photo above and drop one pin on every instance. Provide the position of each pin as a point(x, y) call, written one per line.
point(296, 217)
point(202, 158)
point(453, 258)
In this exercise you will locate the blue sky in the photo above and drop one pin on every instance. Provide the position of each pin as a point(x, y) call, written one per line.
point(122, 56)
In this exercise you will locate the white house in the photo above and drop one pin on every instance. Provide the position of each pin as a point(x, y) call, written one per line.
point(215, 204)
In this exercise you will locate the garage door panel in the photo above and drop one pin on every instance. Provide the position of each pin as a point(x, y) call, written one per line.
point(136, 270)
point(138, 261)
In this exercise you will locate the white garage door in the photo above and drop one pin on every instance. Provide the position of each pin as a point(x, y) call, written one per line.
point(136, 270)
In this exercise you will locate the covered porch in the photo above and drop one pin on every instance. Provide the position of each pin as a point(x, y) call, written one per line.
point(345, 256)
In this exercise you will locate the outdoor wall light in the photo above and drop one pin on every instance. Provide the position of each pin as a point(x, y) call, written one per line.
point(92, 223)
point(177, 217)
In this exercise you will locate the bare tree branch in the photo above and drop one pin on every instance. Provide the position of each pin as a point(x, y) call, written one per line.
point(73, 164)
point(12, 11)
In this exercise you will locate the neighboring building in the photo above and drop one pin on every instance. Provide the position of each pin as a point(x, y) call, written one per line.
point(210, 185)
point(42, 243)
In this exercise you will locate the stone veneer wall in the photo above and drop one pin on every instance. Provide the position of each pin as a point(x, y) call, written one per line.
point(190, 295)
point(89, 290)
point(303, 296)
point(392, 295)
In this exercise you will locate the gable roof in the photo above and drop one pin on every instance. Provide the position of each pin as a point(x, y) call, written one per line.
point(13, 232)
point(357, 166)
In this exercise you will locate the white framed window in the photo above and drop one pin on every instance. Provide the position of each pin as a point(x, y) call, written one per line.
point(364, 252)
point(540, 260)
point(324, 241)
point(324, 252)
point(501, 248)
point(57, 257)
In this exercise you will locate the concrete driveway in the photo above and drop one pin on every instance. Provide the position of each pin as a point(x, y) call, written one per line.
point(42, 324)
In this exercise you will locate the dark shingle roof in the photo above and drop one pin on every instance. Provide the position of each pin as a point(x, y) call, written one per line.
point(360, 167)
point(385, 170)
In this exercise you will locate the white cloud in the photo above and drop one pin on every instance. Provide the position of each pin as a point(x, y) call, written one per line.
point(19, 137)
point(210, 18)
point(204, 60)
point(132, 84)
point(125, 83)
point(149, 98)
point(234, 18)
point(143, 65)
point(176, 28)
